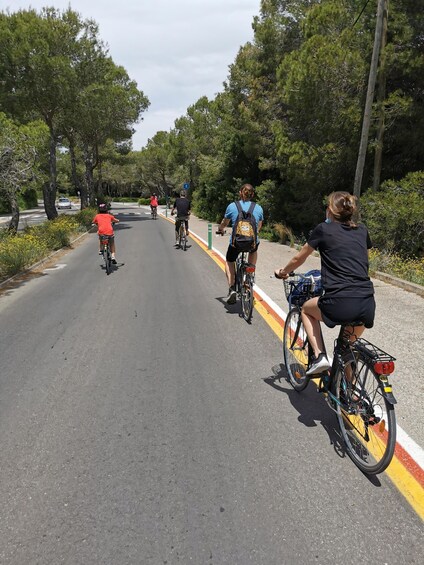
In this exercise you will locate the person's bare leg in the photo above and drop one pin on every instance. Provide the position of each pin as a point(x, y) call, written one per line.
point(311, 317)
point(230, 271)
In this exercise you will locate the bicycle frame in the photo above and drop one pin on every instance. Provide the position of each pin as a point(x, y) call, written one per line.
point(182, 233)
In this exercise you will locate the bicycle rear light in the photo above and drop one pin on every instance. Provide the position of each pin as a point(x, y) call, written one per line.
point(384, 367)
point(250, 269)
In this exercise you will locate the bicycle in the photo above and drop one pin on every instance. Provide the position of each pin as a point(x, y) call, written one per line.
point(182, 234)
point(107, 256)
point(244, 281)
point(154, 212)
point(356, 387)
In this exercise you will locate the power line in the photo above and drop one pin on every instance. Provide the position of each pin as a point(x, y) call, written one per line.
point(362, 11)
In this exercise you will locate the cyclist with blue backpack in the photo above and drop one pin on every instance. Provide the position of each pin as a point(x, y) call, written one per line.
point(246, 218)
point(348, 291)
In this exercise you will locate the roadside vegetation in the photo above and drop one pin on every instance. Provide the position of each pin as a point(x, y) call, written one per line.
point(21, 250)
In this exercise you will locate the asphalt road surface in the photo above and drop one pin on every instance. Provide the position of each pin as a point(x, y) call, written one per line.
point(141, 422)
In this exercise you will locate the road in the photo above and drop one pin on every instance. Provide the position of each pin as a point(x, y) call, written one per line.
point(141, 423)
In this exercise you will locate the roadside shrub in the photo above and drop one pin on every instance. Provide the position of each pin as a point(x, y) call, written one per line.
point(395, 216)
point(85, 217)
point(18, 252)
point(56, 233)
point(411, 269)
point(283, 233)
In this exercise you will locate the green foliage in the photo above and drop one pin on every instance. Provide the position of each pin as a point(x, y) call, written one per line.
point(411, 269)
point(19, 252)
point(395, 216)
point(56, 233)
point(84, 218)
point(28, 199)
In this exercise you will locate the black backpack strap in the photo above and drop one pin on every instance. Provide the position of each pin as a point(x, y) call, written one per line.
point(251, 208)
point(239, 208)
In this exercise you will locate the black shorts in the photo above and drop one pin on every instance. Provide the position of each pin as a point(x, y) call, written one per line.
point(339, 311)
point(178, 222)
point(234, 252)
point(109, 237)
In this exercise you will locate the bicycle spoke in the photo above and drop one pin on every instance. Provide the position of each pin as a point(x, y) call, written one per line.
point(367, 420)
point(246, 293)
point(295, 350)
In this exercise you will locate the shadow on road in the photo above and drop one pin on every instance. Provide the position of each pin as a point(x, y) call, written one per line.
point(312, 408)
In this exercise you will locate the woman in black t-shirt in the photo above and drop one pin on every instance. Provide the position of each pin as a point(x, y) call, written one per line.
point(348, 291)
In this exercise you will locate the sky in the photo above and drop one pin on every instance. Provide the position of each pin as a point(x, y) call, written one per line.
point(175, 50)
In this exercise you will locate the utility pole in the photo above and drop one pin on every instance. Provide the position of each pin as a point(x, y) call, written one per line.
point(369, 100)
point(381, 95)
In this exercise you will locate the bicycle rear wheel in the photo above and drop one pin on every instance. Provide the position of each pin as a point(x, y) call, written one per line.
point(246, 295)
point(367, 420)
point(296, 350)
point(108, 260)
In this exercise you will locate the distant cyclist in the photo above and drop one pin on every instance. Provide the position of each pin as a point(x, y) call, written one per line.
point(231, 215)
point(104, 221)
point(182, 205)
point(153, 202)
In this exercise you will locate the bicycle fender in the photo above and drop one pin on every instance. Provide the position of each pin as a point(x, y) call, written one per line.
point(388, 394)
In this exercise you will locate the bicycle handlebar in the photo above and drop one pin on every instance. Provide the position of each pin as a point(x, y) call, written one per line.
point(291, 274)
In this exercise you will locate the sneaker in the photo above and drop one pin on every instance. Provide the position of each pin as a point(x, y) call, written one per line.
point(100, 252)
point(319, 365)
point(114, 260)
point(232, 296)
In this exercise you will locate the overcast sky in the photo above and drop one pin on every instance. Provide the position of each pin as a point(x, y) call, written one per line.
point(176, 50)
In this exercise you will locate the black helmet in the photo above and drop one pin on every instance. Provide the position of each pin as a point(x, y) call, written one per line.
point(103, 208)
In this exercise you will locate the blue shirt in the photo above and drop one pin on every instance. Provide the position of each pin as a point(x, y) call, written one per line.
point(231, 213)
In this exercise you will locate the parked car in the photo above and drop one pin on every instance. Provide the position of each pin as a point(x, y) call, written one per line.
point(63, 204)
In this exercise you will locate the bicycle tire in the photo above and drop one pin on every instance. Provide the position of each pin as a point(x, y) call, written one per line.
point(367, 420)
point(246, 295)
point(108, 260)
point(185, 241)
point(296, 350)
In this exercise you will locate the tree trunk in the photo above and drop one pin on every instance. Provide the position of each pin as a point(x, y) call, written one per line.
point(74, 174)
point(14, 206)
point(49, 190)
point(89, 181)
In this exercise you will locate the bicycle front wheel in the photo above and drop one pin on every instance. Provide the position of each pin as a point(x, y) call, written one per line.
point(367, 420)
point(246, 295)
point(296, 350)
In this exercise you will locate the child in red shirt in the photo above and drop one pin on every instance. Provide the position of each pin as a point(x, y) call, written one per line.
point(105, 222)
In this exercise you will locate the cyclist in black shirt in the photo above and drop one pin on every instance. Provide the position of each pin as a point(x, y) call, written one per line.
point(182, 205)
point(348, 291)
